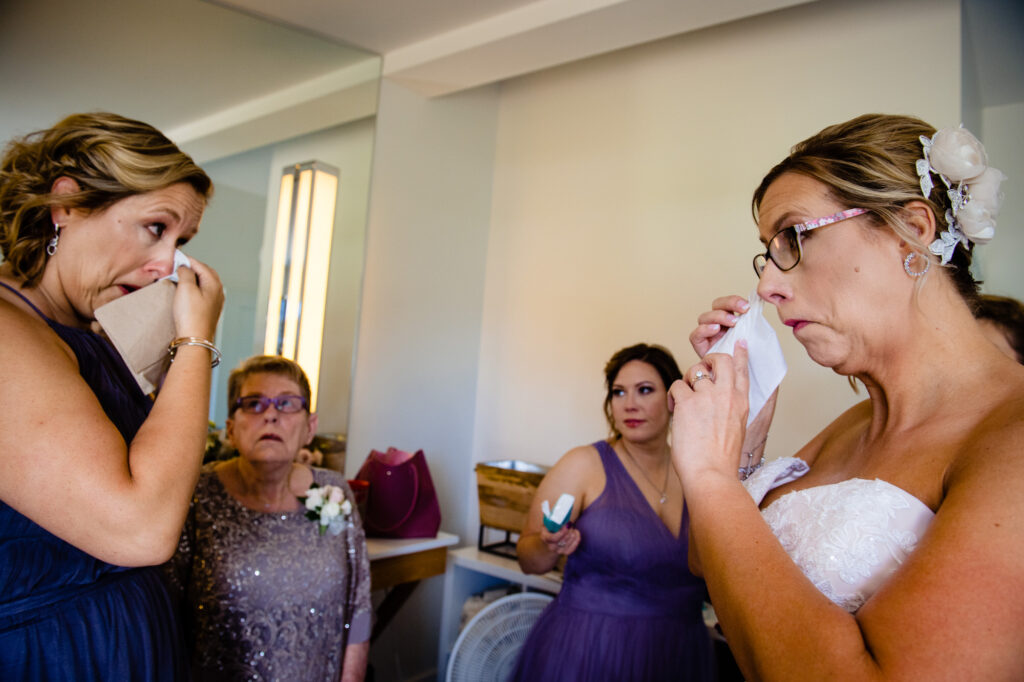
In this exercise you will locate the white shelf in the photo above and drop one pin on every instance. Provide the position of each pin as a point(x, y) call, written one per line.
point(383, 548)
point(501, 567)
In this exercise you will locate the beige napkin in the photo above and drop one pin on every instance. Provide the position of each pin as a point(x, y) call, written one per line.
point(141, 325)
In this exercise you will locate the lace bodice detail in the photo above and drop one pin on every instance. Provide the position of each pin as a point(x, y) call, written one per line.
point(846, 537)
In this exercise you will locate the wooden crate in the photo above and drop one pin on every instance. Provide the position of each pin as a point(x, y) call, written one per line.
point(505, 489)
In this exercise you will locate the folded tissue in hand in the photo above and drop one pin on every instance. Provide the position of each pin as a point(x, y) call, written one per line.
point(765, 360)
point(555, 518)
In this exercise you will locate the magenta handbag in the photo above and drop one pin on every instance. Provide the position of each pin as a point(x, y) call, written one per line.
point(401, 501)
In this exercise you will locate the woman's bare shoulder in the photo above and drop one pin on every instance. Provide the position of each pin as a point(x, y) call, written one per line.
point(580, 456)
point(29, 344)
point(994, 448)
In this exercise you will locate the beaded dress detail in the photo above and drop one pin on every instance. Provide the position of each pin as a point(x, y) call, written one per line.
point(849, 537)
point(263, 595)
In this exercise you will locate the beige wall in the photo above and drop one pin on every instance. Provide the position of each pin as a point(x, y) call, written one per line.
point(520, 233)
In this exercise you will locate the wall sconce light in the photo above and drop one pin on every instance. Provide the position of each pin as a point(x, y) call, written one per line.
point(298, 275)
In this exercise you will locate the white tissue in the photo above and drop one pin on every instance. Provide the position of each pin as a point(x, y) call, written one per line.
point(555, 518)
point(765, 360)
point(179, 260)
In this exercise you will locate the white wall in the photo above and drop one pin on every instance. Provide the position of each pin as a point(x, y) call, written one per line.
point(416, 365)
point(998, 264)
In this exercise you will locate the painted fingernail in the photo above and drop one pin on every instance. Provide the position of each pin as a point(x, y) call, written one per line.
point(742, 343)
point(744, 306)
point(715, 326)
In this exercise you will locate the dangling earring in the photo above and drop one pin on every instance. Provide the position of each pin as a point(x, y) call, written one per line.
point(51, 247)
point(911, 257)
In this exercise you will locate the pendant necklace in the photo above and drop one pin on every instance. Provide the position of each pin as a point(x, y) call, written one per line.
point(663, 493)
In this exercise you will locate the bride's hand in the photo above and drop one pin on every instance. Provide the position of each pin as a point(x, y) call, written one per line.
point(710, 414)
point(713, 324)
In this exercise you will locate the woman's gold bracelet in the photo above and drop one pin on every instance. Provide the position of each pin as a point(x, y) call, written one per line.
point(173, 346)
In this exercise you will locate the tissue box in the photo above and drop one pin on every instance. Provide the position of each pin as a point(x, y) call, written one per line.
point(506, 489)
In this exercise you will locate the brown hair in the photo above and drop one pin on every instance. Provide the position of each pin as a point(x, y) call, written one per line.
point(658, 357)
point(110, 157)
point(870, 162)
point(265, 364)
point(1008, 315)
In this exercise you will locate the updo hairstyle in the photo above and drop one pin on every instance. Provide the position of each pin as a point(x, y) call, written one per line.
point(1007, 314)
point(869, 162)
point(658, 357)
point(110, 157)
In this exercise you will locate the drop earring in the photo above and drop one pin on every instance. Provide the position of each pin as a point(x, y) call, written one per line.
point(51, 247)
point(911, 257)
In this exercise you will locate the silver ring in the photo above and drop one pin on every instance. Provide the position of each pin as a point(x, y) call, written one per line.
point(701, 374)
point(562, 543)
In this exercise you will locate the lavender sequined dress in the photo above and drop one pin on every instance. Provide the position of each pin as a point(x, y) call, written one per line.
point(629, 609)
point(264, 596)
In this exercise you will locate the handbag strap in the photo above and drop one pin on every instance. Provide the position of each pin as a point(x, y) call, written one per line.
point(412, 505)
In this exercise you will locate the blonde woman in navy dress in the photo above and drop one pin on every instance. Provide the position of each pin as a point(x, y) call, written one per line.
point(95, 477)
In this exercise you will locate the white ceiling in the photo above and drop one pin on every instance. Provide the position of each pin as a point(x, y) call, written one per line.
point(192, 67)
point(168, 62)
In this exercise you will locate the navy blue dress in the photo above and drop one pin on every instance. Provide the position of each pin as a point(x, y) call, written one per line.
point(629, 609)
point(65, 615)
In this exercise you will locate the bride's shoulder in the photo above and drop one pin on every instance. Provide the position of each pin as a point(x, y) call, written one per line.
point(993, 450)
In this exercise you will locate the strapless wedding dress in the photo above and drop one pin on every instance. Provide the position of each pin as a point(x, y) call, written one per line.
point(846, 537)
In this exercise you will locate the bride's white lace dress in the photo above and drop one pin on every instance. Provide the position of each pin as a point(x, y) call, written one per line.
point(846, 537)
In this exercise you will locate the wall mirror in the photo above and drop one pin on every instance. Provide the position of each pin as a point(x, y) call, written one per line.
point(246, 97)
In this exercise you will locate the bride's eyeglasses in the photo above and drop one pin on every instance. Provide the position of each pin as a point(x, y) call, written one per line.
point(785, 249)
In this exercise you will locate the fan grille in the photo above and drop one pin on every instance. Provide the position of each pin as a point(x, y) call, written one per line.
point(487, 648)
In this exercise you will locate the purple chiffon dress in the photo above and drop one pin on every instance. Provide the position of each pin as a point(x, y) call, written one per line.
point(66, 615)
point(629, 609)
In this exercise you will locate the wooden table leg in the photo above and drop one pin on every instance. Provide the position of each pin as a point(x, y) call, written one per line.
point(393, 601)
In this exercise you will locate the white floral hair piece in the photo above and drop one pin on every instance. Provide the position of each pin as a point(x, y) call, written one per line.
point(959, 159)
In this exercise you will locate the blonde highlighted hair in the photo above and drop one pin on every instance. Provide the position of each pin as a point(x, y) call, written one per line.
point(110, 157)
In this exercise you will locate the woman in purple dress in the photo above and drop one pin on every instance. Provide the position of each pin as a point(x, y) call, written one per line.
point(629, 609)
point(266, 593)
point(95, 477)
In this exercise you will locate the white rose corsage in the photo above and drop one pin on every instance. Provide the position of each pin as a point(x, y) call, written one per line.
point(959, 159)
point(328, 507)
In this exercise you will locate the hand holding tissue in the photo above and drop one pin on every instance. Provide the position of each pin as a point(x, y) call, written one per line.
point(765, 361)
point(141, 324)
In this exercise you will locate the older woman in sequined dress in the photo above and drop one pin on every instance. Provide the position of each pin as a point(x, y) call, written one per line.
point(265, 594)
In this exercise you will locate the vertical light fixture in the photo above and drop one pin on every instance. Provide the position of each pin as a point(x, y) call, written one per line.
point(299, 270)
